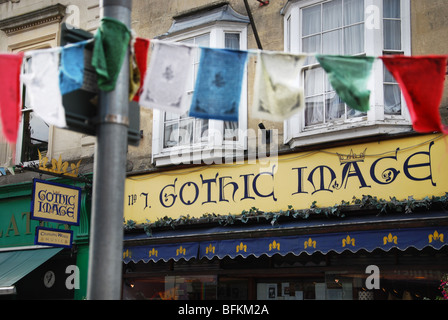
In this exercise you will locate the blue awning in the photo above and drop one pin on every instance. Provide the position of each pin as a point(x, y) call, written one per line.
point(163, 252)
point(401, 239)
point(369, 240)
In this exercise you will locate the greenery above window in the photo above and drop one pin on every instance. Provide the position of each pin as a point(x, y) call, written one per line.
point(338, 211)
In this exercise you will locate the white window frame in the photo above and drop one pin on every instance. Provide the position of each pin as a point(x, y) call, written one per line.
point(216, 147)
point(376, 122)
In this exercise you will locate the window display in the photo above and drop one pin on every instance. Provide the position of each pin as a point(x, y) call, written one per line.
point(394, 275)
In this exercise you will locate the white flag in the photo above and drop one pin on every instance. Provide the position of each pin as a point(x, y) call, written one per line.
point(42, 86)
point(278, 91)
point(165, 84)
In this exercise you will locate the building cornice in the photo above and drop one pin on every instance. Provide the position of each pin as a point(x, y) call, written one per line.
point(38, 18)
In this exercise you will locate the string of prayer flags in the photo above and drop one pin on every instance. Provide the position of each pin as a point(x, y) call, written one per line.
point(166, 80)
point(349, 77)
point(42, 86)
point(71, 73)
point(278, 91)
point(111, 44)
point(10, 99)
point(218, 86)
point(421, 79)
point(141, 47)
point(216, 94)
point(10, 169)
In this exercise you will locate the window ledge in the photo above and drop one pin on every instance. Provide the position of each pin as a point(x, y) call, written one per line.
point(348, 131)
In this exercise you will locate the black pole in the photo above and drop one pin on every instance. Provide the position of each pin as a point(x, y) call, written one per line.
point(252, 23)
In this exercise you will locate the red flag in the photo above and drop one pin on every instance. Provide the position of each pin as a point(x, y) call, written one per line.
point(421, 80)
point(141, 47)
point(10, 65)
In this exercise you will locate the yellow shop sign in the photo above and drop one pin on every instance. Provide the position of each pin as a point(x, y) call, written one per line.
point(55, 202)
point(397, 168)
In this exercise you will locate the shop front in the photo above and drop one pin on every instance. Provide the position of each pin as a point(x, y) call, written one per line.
point(351, 223)
point(33, 270)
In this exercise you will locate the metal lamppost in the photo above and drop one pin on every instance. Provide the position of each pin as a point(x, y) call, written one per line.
point(106, 235)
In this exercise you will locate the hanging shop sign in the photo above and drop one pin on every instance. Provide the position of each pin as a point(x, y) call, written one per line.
point(394, 168)
point(53, 237)
point(55, 202)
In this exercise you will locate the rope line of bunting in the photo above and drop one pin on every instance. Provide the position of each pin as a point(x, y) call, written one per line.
point(165, 83)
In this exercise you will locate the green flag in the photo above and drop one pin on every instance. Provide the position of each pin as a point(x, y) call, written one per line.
point(349, 76)
point(111, 42)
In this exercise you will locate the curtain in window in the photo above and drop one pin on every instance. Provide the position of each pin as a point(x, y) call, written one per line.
point(392, 24)
point(354, 26)
point(392, 94)
point(392, 44)
point(232, 41)
point(333, 28)
point(314, 98)
point(311, 31)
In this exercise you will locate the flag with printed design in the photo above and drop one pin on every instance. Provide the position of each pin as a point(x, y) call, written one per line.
point(278, 91)
point(166, 80)
point(71, 72)
point(42, 86)
point(217, 91)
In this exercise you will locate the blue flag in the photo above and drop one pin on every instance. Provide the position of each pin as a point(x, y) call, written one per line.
point(217, 91)
point(71, 72)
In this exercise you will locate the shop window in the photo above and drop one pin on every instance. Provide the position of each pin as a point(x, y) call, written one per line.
point(182, 287)
point(403, 275)
point(232, 288)
point(347, 27)
point(290, 289)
